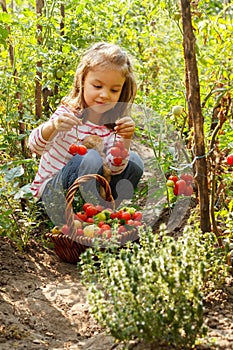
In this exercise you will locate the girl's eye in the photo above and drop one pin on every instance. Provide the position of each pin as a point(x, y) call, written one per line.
point(115, 90)
point(97, 86)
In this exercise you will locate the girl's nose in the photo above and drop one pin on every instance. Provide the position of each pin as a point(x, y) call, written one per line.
point(104, 94)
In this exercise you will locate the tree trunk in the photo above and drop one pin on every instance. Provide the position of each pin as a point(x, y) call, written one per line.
point(38, 87)
point(195, 113)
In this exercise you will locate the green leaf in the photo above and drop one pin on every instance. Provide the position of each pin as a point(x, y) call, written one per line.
point(24, 192)
point(13, 173)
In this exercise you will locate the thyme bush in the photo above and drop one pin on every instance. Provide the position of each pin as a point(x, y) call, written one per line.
point(153, 291)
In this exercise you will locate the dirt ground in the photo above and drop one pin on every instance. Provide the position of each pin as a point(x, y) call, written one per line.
point(43, 305)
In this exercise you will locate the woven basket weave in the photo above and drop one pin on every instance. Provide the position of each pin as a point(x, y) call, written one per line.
point(69, 248)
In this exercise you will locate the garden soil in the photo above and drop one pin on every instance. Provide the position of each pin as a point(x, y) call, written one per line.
point(43, 305)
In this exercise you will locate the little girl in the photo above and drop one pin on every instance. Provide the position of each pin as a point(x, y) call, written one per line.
point(104, 88)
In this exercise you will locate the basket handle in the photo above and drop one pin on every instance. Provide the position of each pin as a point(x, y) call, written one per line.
point(70, 197)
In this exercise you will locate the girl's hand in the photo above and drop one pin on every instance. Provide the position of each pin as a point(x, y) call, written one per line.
point(65, 122)
point(125, 127)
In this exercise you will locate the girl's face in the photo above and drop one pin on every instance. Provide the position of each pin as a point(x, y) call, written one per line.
point(102, 90)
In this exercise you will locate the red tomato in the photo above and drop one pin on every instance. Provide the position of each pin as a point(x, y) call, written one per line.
point(82, 150)
point(137, 215)
point(101, 223)
point(122, 229)
point(65, 229)
point(115, 151)
point(86, 205)
point(124, 153)
point(230, 159)
point(117, 160)
point(113, 215)
point(73, 149)
point(90, 220)
point(188, 178)
point(118, 214)
point(130, 222)
point(188, 191)
point(99, 208)
point(105, 227)
point(125, 216)
point(137, 223)
point(174, 178)
point(91, 210)
point(180, 187)
point(80, 232)
point(99, 232)
point(120, 145)
point(81, 216)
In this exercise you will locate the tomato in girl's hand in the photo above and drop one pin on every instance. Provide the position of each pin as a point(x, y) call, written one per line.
point(124, 153)
point(115, 151)
point(117, 160)
point(73, 149)
point(120, 145)
point(82, 150)
point(77, 149)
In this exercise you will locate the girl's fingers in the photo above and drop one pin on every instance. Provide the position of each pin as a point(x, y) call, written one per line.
point(125, 127)
point(66, 122)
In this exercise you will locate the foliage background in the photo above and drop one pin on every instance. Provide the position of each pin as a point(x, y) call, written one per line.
point(46, 54)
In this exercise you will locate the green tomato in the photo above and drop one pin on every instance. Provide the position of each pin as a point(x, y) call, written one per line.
point(177, 110)
point(50, 76)
point(107, 213)
point(129, 209)
point(60, 73)
point(100, 217)
point(170, 183)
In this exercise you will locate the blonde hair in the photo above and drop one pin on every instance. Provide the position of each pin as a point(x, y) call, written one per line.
point(105, 56)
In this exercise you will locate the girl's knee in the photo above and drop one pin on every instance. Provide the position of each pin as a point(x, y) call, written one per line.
point(135, 159)
point(92, 163)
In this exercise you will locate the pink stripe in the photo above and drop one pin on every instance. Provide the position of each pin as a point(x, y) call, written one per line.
point(62, 147)
point(58, 160)
point(45, 169)
point(88, 132)
point(52, 166)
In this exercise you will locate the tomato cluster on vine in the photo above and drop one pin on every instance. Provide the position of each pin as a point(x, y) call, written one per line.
point(182, 185)
point(119, 152)
point(77, 149)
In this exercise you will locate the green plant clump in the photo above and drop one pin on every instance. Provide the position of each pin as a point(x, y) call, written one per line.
point(153, 292)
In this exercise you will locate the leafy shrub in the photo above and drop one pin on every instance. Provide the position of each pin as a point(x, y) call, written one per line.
point(153, 291)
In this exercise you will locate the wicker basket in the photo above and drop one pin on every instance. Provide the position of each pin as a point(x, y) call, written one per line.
point(69, 248)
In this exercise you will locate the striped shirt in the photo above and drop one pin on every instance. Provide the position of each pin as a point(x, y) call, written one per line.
point(55, 153)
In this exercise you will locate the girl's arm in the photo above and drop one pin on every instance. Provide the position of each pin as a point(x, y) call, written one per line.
point(41, 137)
